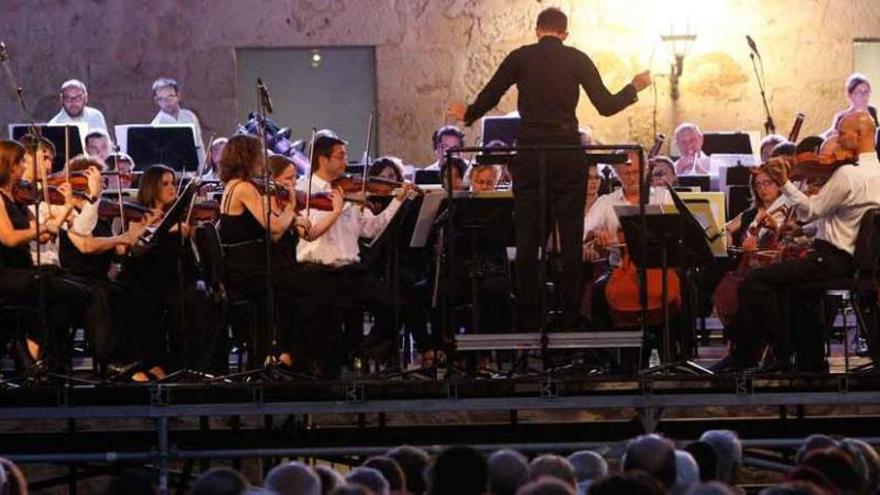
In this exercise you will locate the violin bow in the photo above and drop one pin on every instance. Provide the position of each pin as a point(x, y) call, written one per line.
point(365, 160)
point(311, 173)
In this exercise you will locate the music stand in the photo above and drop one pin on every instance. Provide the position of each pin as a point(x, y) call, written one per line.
point(56, 133)
point(671, 240)
point(171, 145)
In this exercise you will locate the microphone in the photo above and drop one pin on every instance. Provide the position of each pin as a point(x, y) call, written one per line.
point(263, 91)
point(753, 45)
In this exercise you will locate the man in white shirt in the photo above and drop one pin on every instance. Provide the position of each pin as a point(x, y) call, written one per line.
point(838, 209)
point(689, 140)
point(99, 145)
point(166, 94)
point(74, 98)
point(333, 256)
point(442, 139)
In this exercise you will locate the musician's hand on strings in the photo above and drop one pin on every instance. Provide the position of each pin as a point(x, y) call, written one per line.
point(777, 169)
point(95, 182)
point(405, 189)
point(750, 244)
point(66, 192)
point(457, 111)
point(603, 239)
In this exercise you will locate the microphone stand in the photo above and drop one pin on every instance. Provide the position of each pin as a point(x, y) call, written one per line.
point(38, 181)
point(769, 126)
point(264, 106)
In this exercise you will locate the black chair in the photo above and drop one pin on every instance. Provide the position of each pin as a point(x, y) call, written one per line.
point(858, 294)
point(236, 311)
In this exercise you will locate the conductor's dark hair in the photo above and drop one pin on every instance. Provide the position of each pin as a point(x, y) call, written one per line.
point(446, 130)
point(553, 20)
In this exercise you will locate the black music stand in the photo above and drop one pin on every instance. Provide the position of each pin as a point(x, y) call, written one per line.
point(670, 240)
point(67, 146)
point(171, 145)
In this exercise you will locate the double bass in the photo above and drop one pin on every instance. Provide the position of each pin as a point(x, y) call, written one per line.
point(622, 290)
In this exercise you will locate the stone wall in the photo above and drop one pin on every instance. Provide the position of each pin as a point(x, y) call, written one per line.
point(429, 52)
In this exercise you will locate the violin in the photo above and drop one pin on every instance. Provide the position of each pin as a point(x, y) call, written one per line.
point(26, 193)
point(373, 186)
point(205, 211)
point(811, 165)
point(319, 201)
point(108, 210)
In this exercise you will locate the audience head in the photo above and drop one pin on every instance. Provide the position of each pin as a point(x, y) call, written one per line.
point(166, 94)
point(74, 97)
point(390, 470)
point(706, 459)
point(369, 478)
point(414, 462)
point(870, 458)
point(807, 474)
point(546, 485)
point(220, 481)
point(508, 471)
point(816, 441)
point(294, 478)
point(588, 466)
point(689, 139)
point(728, 453)
point(330, 479)
point(553, 466)
point(654, 455)
point(631, 483)
point(444, 138)
point(459, 470)
point(838, 467)
point(687, 472)
point(351, 490)
point(98, 144)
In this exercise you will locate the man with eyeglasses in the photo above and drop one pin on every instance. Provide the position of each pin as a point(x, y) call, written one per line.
point(74, 98)
point(166, 94)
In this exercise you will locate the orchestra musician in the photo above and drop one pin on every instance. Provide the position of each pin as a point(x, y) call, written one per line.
point(838, 207)
point(167, 95)
point(484, 178)
point(65, 299)
point(123, 165)
point(215, 151)
point(98, 144)
point(858, 93)
point(334, 257)
point(689, 139)
point(74, 99)
point(448, 136)
point(663, 172)
point(242, 228)
point(548, 76)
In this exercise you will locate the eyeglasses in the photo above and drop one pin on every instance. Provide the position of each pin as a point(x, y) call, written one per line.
point(764, 183)
point(73, 98)
point(862, 92)
point(163, 99)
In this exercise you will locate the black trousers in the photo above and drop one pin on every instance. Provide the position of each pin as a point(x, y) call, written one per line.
point(67, 299)
point(566, 179)
point(767, 294)
point(351, 285)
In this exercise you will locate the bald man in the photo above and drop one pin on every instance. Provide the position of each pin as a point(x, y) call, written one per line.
point(838, 209)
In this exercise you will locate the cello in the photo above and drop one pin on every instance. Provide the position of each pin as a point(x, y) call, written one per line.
point(622, 290)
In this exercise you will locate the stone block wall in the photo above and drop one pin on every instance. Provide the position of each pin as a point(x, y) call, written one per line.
point(429, 52)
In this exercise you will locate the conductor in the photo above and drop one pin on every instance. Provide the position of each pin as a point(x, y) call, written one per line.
point(548, 76)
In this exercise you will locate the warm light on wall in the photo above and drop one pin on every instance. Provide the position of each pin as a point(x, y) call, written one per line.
point(678, 34)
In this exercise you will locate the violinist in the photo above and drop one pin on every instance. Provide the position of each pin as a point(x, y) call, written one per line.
point(123, 165)
point(65, 298)
point(215, 151)
point(334, 257)
point(119, 324)
point(98, 144)
point(838, 207)
point(388, 168)
point(37, 145)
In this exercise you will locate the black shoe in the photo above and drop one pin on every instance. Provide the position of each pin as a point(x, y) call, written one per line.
point(33, 368)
